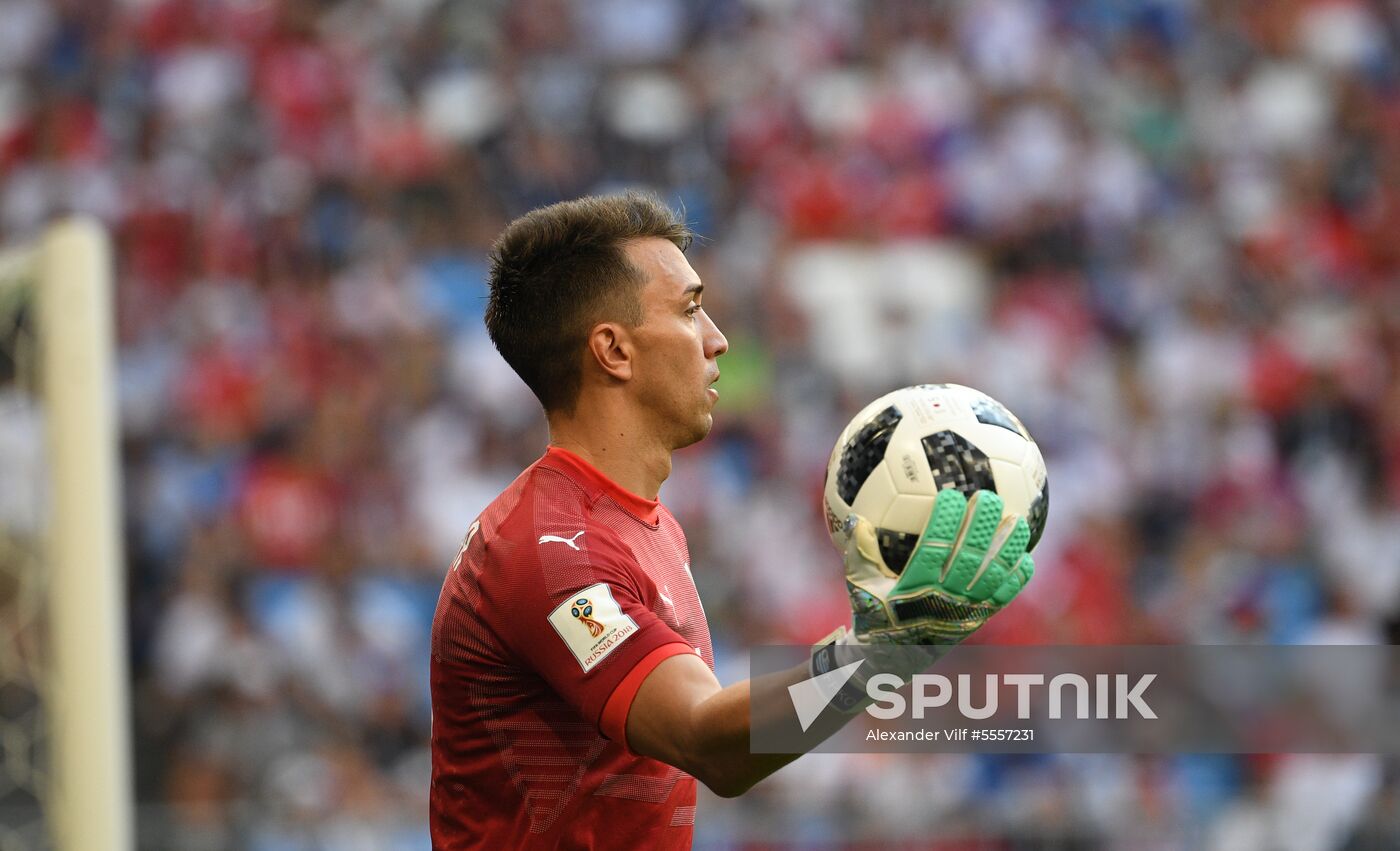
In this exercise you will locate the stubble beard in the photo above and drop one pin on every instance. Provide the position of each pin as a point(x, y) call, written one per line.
point(696, 427)
point(695, 433)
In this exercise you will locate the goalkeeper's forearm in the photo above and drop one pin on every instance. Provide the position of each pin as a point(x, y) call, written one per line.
point(681, 716)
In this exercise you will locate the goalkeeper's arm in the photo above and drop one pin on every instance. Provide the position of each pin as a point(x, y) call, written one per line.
point(969, 563)
point(682, 716)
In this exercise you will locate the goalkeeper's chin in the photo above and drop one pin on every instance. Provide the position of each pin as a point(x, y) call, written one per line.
point(697, 430)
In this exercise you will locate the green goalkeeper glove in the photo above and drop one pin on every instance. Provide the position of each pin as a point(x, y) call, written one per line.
point(969, 563)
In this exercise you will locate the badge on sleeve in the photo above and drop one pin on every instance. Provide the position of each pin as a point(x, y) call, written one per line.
point(592, 624)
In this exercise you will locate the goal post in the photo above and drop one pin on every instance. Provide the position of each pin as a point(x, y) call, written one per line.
point(76, 664)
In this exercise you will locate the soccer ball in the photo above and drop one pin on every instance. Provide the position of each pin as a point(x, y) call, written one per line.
point(897, 453)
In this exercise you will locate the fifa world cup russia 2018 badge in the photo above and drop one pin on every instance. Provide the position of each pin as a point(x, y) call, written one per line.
point(605, 626)
point(583, 610)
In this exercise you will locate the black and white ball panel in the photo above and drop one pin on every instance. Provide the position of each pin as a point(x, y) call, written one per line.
point(864, 452)
point(956, 463)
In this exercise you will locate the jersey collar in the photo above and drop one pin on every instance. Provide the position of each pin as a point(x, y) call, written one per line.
point(646, 510)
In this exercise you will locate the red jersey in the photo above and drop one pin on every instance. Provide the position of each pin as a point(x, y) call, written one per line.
point(567, 592)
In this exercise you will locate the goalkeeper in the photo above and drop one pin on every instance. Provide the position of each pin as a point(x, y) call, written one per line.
point(574, 699)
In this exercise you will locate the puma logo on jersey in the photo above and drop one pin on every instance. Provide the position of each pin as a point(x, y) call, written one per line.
point(544, 539)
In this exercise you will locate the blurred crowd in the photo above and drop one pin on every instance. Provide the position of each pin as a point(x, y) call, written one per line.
point(1166, 233)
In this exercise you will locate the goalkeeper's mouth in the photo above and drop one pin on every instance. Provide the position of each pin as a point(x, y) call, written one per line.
point(713, 393)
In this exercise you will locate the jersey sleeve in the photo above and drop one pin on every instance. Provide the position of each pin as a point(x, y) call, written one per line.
point(579, 619)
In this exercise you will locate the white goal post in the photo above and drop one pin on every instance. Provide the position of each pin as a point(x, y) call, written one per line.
point(64, 281)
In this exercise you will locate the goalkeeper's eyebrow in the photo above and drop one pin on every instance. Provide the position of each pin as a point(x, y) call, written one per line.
point(693, 292)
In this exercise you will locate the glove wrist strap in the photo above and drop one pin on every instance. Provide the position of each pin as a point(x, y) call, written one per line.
point(834, 652)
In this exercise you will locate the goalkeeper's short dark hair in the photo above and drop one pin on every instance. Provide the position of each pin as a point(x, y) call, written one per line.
point(558, 271)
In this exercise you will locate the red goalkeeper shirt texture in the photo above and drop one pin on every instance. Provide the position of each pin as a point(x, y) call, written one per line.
point(567, 592)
